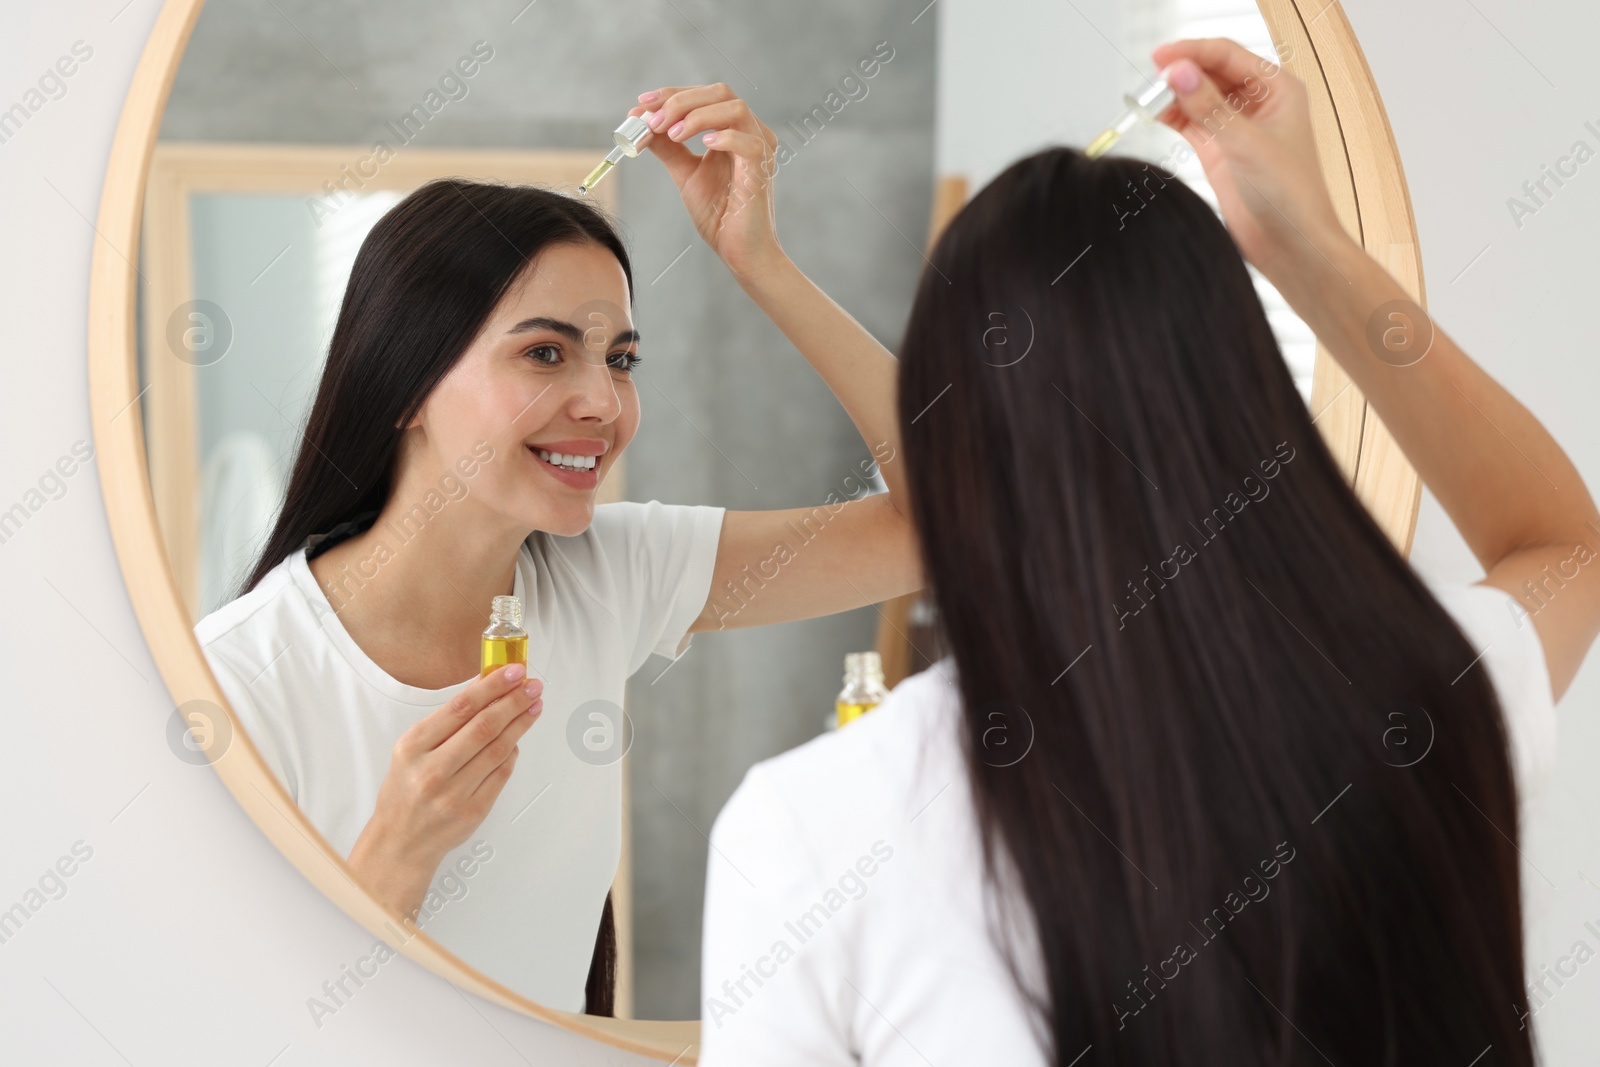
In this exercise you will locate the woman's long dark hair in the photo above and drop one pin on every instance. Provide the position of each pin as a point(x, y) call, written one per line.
point(1265, 814)
point(425, 281)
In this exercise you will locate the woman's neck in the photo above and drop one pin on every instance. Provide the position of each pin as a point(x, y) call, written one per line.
point(413, 590)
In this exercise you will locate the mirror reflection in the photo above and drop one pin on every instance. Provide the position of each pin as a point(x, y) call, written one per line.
point(397, 370)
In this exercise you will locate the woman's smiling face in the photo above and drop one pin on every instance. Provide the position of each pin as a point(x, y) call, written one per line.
point(547, 379)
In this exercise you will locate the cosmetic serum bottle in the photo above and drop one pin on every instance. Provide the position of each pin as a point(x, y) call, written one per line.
point(863, 687)
point(1148, 105)
point(630, 142)
point(504, 641)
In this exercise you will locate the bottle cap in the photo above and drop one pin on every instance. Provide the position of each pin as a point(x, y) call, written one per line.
point(631, 134)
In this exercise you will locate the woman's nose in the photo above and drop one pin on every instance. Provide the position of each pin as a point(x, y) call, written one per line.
point(595, 396)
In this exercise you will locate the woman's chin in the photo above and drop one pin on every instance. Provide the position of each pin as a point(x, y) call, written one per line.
point(566, 521)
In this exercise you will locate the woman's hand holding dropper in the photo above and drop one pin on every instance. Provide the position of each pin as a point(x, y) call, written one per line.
point(728, 188)
point(1249, 122)
point(1509, 488)
point(870, 554)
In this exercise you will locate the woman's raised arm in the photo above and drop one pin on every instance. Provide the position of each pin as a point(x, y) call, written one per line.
point(1505, 482)
point(852, 549)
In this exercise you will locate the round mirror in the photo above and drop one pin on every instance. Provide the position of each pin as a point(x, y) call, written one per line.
point(292, 129)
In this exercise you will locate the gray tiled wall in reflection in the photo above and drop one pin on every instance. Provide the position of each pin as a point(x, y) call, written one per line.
point(720, 385)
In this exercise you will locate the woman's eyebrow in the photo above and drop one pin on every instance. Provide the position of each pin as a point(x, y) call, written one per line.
point(568, 330)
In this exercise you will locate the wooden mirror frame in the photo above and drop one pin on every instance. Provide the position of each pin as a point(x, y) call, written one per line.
point(1360, 162)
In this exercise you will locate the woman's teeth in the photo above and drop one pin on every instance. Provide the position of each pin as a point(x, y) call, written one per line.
point(568, 463)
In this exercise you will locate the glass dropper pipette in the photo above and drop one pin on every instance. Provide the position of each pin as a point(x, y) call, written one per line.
point(1149, 104)
point(630, 139)
point(612, 159)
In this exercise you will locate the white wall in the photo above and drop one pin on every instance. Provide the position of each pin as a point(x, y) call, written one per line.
point(1478, 103)
point(186, 939)
point(1011, 51)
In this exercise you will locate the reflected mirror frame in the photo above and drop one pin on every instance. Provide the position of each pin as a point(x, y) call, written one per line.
point(1360, 162)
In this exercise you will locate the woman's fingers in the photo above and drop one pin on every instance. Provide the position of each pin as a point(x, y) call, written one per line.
point(497, 752)
point(658, 97)
point(464, 745)
point(442, 723)
point(1249, 122)
point(767, 135)
point(738, 143)
point(677, 158)
point(1202, 105)
point(700, 108)
point(721, 115)
point(715, 186)
point(676, 102)
point(1227, 62)
point(1232, 80)
point(489, 789)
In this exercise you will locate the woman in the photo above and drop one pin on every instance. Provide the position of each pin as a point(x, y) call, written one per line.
point(479, 385)
point(1210, 776)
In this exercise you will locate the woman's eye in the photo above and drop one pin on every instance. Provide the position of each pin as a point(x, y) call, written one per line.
point(554, 352)
point(625, 361)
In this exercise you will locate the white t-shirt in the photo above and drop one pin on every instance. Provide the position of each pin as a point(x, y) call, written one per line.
point(845, 920)
point(521, 899)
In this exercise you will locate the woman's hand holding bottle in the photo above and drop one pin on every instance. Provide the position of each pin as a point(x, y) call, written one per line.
point(728, 189)
point(444, 776)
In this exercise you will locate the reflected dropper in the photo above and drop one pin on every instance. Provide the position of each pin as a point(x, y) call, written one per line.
point(630, 140)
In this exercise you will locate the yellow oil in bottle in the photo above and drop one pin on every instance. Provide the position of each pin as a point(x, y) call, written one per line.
point(504, 640)
point(849, 713)
point(498, 651)
point(863, 687)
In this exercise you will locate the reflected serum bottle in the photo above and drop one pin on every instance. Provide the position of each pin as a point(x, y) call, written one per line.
point(504, 641)
point(863, 687)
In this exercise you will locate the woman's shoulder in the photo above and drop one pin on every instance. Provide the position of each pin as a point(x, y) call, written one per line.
point(882, 768)
point(271, 608)
point(1501, 632)
point(645, 562)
